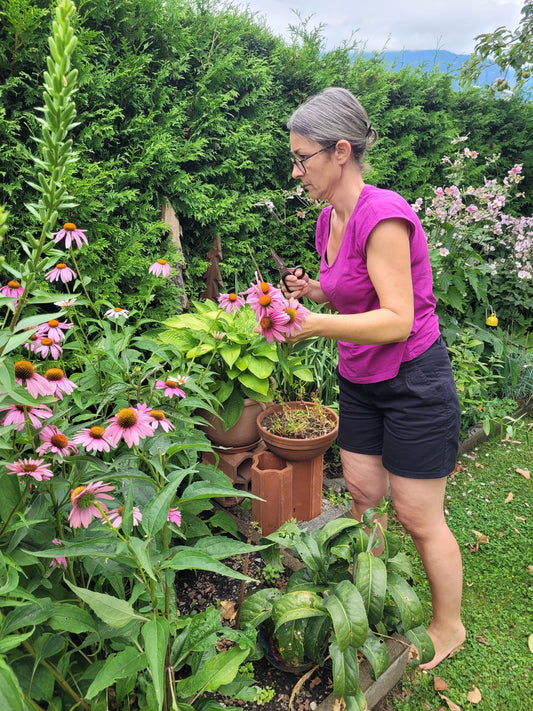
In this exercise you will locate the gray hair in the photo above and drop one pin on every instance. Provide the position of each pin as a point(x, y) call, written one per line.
point(333, 115)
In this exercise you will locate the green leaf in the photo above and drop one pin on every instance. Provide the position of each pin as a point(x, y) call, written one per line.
point(260, 367)
point(220, 547)
point(71, 618)
point(219, 670)
point(195, 560)
point(98, 547)
point(345, 670)
point(406, 600)
point(230, 354)
point(376, 652)
point(331, 529)
point(155, 513)
point(155, 634)
point(371, 581)
point(141, 551)
point(316, 631)
point(297, 605)
point(252, 382)
point(117, 666)
point(114, 612)
point(13, 640)
point(256, 608)
point(356, 702)
point(11, 696)
point(348, 614)
point(29, 615)
point(424, 644)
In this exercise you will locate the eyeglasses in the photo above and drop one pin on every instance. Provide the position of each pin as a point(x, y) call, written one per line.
point(299, 162)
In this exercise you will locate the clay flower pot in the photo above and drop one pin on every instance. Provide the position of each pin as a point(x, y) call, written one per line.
point(243, 435)
point(297, 449)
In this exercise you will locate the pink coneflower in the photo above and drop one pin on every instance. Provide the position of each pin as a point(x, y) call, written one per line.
point(53, 329)
point(61, 384)
point(230, 302)
point(46, 346)
point(218, 335)
point(70, 233)
point(274, 326)
point(13, 289)
point(67, 303)
point(297, 315)
point(116, 312)
point(160, 268)
point(115, 516)
point(60, 561)
point(94, 439)
point(174, 516)
point(31, 467)
point(171, 386)
point(158, 419)
point(61, 272)
point(16, 414)
point(130, 424)
point(35, 384)
point(262, 296)
point(84, 499)
point(55, 442)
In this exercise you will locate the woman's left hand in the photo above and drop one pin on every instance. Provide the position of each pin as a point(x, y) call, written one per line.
point(309, 329)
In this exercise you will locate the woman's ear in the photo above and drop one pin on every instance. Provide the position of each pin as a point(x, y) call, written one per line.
point(343, 151)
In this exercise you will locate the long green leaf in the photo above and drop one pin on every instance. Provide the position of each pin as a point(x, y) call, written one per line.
point(345, 670)
point(258, 607)
point(220, 669)
point(348, 614)
point(155, 634)
point(376, 652)
point(11, 696)
point(188, 559)
point(34, 613)
point(155, 513)
point(117, 666)
point(406, 601)
point(424, 644)
point(71, 618)
point(297, 605)
point(371, 581)
point(114, 612)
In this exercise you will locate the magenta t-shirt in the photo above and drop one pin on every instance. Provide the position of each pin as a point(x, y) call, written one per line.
point(348, 287)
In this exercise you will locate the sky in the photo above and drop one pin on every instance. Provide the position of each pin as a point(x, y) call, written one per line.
point(393, 25)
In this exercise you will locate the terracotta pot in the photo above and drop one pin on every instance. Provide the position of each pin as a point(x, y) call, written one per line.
point(244, 432)
point(292, 449)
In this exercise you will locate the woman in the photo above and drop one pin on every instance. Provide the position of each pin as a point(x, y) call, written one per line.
point(399, 411)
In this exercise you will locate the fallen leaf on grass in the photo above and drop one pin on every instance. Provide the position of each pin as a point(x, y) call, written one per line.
point(524, 472)
point(510, 497)
point(474, 695)
point(228, 610)
point(440, 684)
point(480, 538)
point(483, 640)
point(449, 702)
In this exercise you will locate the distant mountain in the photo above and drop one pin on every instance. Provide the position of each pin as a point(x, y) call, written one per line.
point(441, 59)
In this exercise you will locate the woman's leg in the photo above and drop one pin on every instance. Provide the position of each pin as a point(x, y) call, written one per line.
point(419, 506)
point(366, 480)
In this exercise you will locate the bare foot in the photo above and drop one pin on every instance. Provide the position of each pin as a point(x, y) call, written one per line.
point(445, 646)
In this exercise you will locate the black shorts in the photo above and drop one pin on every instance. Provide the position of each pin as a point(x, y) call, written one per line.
point(412, 420)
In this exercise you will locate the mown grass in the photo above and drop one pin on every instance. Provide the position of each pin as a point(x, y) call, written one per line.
point(486, 497)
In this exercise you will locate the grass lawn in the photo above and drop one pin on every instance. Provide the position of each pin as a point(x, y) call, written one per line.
point(489, 509)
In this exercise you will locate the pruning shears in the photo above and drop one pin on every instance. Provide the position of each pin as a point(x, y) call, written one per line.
point(284, 270)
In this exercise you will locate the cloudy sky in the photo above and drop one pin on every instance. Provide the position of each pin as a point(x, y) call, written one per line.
point(394, 25)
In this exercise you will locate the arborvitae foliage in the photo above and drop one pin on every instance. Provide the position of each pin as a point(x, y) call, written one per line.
point(188, 100)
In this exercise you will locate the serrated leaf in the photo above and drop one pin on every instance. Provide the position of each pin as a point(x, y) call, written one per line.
point(114, 612)
point(117, 666)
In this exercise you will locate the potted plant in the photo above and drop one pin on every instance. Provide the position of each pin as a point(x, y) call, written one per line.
point(345, 601)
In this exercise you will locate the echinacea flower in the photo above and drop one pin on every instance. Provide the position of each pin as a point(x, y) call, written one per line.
point(230, 302)
point(46, 346)
point(115, 516)
point(262, 296)
point(61, 384)
point(171, 386)
point(218, 335)
point(31, 467)
point(94, 439)
point(116, 312)
point(160, 268)
point(297, 315)
point(67, 303)
point(174, 516)
point(13, 289)
point(130, 424)
point(84, 500)
point(16, 414)
point(35, 384)
point(274, 326)
point(53, 329)
point(159, 420)
point(60, 561)
point(70, 233)
point(55, 442)
point(61, 272)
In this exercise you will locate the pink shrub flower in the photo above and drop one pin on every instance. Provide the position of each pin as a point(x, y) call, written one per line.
point(13, 289)
point(297, 315)
point(35, 384)
point(274, 326)
point(16, 414)
point(84, 499)
point(31, 467)
point(174, 516)
point(262, 296)
point(131, 425)
point(61, 384)
point(115, 516)
point(60, 561)
point(171, 386)
point(159, 420)
point(53, 329)
point(55, 442)
point(94, 439)
point(70, 233)
point(230, 302)
point(46, 346)
point(160, 268)
point(61, 273)
point(116, 312)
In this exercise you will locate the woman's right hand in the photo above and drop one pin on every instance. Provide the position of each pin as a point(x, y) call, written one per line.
point(295, 287)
